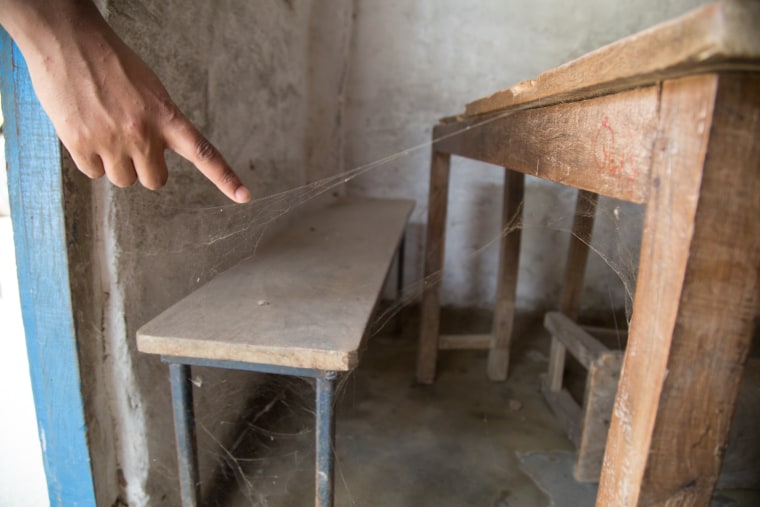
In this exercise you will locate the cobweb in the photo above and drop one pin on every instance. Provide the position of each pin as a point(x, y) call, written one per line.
point(272, 443)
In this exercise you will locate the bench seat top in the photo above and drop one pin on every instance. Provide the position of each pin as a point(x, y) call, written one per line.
point(304, 300)
point(722, 36)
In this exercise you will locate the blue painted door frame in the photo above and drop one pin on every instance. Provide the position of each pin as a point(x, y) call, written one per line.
point(33, 156)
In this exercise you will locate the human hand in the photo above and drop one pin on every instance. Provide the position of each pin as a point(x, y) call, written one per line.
point(109, 109)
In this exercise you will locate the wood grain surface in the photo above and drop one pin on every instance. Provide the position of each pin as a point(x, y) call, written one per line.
point(575, 271)
point(584, 347)
point(435, 249)
point(717, 308)
point(497, 366)
point(603, 145)
point(601, 386)
point(696, 297)
point(304, 300)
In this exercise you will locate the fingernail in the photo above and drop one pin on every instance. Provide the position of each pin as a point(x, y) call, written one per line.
point(242, 194)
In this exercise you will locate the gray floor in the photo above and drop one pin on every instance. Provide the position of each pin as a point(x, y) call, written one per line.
point(462, 441)
point(450, 444)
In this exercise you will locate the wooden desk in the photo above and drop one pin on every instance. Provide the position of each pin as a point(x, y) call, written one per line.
point(669, 118)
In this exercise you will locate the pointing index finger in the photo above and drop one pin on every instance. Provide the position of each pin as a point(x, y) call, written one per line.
point(183, 138)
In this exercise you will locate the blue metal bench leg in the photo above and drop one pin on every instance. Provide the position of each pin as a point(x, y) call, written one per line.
point(325, 439)
point(184, 428)
point(400, 272)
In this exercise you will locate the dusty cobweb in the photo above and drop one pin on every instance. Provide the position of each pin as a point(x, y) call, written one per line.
point(273, 445)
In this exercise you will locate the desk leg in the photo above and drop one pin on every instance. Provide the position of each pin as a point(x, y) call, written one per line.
point(696, 297)
point(325, 440)
point(509, 261)
point(184, 428)
point(575, 270)
point(438, 197)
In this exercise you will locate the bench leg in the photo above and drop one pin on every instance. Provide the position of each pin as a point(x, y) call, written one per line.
point(325, 439)
point(400, 271)
point(400, 284)
point(184, 428)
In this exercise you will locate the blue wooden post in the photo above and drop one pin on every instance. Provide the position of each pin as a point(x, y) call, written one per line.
point(33, 156)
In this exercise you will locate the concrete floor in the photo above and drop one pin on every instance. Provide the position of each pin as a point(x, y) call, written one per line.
point(462, 441)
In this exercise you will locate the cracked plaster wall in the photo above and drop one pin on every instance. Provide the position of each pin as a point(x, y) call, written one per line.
point(247, 75)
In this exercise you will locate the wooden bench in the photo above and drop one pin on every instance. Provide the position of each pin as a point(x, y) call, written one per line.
point(586, 424)
point(300, 306)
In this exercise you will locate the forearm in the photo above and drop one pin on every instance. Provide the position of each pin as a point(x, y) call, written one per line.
point(35, 24)
point(109, 109)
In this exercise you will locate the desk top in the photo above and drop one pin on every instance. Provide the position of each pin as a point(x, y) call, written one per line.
point(716, 37)
point(302, 301)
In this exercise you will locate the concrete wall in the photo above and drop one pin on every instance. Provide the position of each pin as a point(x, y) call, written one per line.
point(294, 91)
point(243, 72)
point(415, 62)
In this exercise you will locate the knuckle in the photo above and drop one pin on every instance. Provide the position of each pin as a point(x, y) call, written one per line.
point(135, 129)
point(228, 176)
point(166, 109)
point(76, 141)
point(205, 150)
point(123, 180)
point(154, 181)
point(93, 173)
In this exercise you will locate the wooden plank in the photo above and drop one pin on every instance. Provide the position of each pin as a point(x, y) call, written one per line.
point(509, 259)
point(741, 468)
point(685, 123)
point(303, 301)
point(556, 371)
point(718, 36)
point(584, 347)
point(567, 411)
point(575, 270)
point(601, 386)
point(577, 255)
point(464, 341)
point(36, 197)
point(435, 247)
point(696, 297)
point(601, 145)
point(718, 306)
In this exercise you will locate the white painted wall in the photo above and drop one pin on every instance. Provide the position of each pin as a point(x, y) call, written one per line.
point(414, 62)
